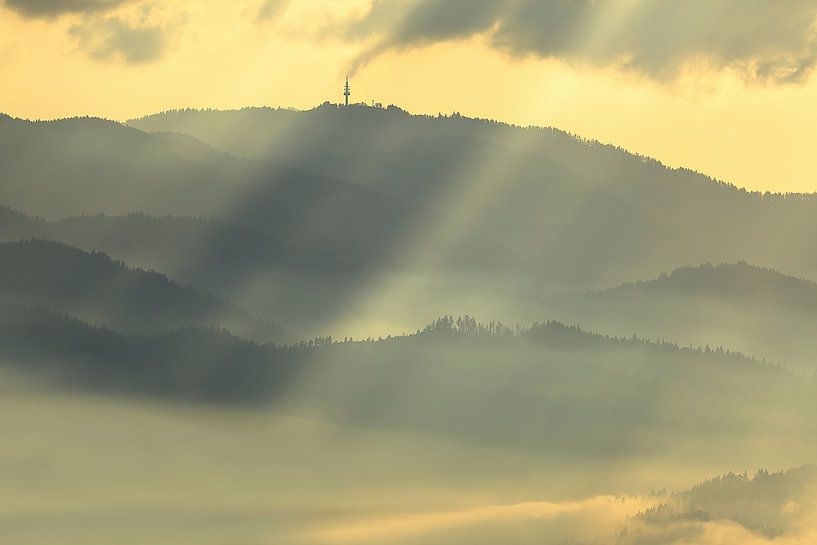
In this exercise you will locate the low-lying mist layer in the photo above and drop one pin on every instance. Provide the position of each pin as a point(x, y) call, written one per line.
point(87, 470)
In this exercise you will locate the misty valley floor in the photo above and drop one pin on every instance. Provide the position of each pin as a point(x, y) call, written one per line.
point(94, 469)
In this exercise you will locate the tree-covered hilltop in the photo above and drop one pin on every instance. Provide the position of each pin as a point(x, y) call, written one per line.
point(731, 282)
point(577, 211)
point(766, 507)
point(753, 309)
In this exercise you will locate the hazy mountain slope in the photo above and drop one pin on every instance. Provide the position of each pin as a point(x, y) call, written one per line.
point(94, 288)
point(87, 165)
point(15, 225)
point(557, 389)
point(274, 278)
point(583, 213)
point(738, 283)
point(172, 243)
point(752, 309)
point(460, 214)
point(768, 508)
point(551, 389)
point(185, 364)
point(95, 166)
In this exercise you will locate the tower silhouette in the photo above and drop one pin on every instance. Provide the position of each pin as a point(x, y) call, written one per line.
point(347, 90)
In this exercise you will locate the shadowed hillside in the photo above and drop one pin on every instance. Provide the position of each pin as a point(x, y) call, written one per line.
point(187, 364)
point(553, 386)
point(265, 273)
point(551, 389)
point(97, 166)
point(444, 214)
point(579, 212)
point(310, 281)
point(182, 245)
point(752, 309)
point(94, 288)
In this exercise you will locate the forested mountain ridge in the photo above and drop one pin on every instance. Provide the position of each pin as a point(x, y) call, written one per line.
point(773, 506)
point(99, 290)
point(734, 282)
point(277, 132)
point(551, 210)
point(268, 274)
point(470, 215)
point(186, 364)
point(97, 166)
point(753, 309)
point(581, 392)
point(173, 242)
point(581, 213)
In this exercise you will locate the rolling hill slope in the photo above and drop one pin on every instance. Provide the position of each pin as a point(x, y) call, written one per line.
point(96, 166)
point(548, 389)
point(752, 309)
point(187, 364)
point(179, 245)
point(579, 212)
point(96, 289)
point(439, 214)
point(766, 508)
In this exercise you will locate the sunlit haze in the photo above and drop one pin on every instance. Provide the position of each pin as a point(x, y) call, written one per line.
point(408, 272)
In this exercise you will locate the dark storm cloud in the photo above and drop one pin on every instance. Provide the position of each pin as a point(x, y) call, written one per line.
point(52, 8)
point(112, 38)
point(767, 40)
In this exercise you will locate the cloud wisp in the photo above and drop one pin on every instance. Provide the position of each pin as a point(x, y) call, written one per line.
point(269, 9)
point(113, 38)
point(55, 8)
point(769, 42)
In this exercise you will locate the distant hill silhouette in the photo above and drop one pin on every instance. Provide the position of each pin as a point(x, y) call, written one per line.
point(437, 212)
point(188, 364)
point(15, 225)
point(576, 211)
point(266, 273)
point(553, 210)
point(172, 242)
point(753, 309)
point(308, 281)
point(551, 388)
point(733, 282)
point(96, 166)
point(94, 288)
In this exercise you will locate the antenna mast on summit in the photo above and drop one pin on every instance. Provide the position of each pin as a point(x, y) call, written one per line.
point(347, 90)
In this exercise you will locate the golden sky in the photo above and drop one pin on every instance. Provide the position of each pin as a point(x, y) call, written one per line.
point(721, 86)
